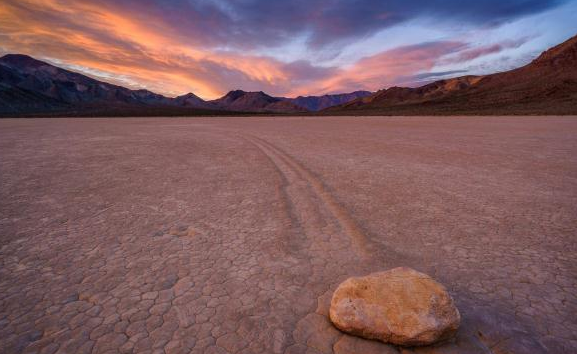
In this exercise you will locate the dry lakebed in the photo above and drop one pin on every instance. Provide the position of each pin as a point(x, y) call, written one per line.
point(230, 235)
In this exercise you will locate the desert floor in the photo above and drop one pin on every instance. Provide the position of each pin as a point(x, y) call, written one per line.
point(228, 235)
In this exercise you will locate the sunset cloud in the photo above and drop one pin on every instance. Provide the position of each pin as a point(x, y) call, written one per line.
point(212, 46)
point(393, 67)
point(474, 53)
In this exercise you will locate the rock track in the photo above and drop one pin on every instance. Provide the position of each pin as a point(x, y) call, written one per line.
point(313, 207)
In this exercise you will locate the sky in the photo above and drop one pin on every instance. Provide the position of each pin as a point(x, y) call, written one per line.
point(283, 47)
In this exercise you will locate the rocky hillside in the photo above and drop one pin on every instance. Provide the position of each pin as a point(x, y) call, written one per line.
point(191, 100)
point(548, 85)
point(242, 101)
point(27, 84)
point(318, 103)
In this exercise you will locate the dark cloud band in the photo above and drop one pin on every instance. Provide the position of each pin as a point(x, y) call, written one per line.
point(262, 23)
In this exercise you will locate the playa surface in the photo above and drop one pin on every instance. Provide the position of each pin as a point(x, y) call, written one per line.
point(228, 235)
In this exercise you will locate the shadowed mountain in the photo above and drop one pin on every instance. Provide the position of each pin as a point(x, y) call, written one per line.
point(317, 103)
point(548, 85)
point(192, 100)
point(14, 98)
point(27, 84)
point(243, 101)
point(30, 86)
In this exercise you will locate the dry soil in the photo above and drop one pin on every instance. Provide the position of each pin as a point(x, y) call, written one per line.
point(228, 235)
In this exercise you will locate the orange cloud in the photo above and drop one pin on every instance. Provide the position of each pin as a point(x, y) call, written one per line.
point(134, 50)
point(80, 34)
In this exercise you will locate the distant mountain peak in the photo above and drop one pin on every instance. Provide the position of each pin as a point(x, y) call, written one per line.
point(317, 103)
point(190, 94)
point(255, 101)
point(191, 100)
point(22, 60)
point(562, 54)
point(17, 57)
point(189, 97)
point(235, 94)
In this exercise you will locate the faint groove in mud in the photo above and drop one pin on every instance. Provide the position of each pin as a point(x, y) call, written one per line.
point(288, 204)
point(346, 222)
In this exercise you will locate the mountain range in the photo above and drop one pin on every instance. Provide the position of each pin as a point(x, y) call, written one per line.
point(29, 86)
point(318, 103)
point(547, 85)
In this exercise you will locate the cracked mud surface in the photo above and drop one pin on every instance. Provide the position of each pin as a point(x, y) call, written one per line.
point(228, 235)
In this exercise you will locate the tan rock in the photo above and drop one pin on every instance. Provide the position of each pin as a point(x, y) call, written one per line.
point(400, 306)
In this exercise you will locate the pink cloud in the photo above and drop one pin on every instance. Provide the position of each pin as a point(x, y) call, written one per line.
point(474, 53)
point(391, 67)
